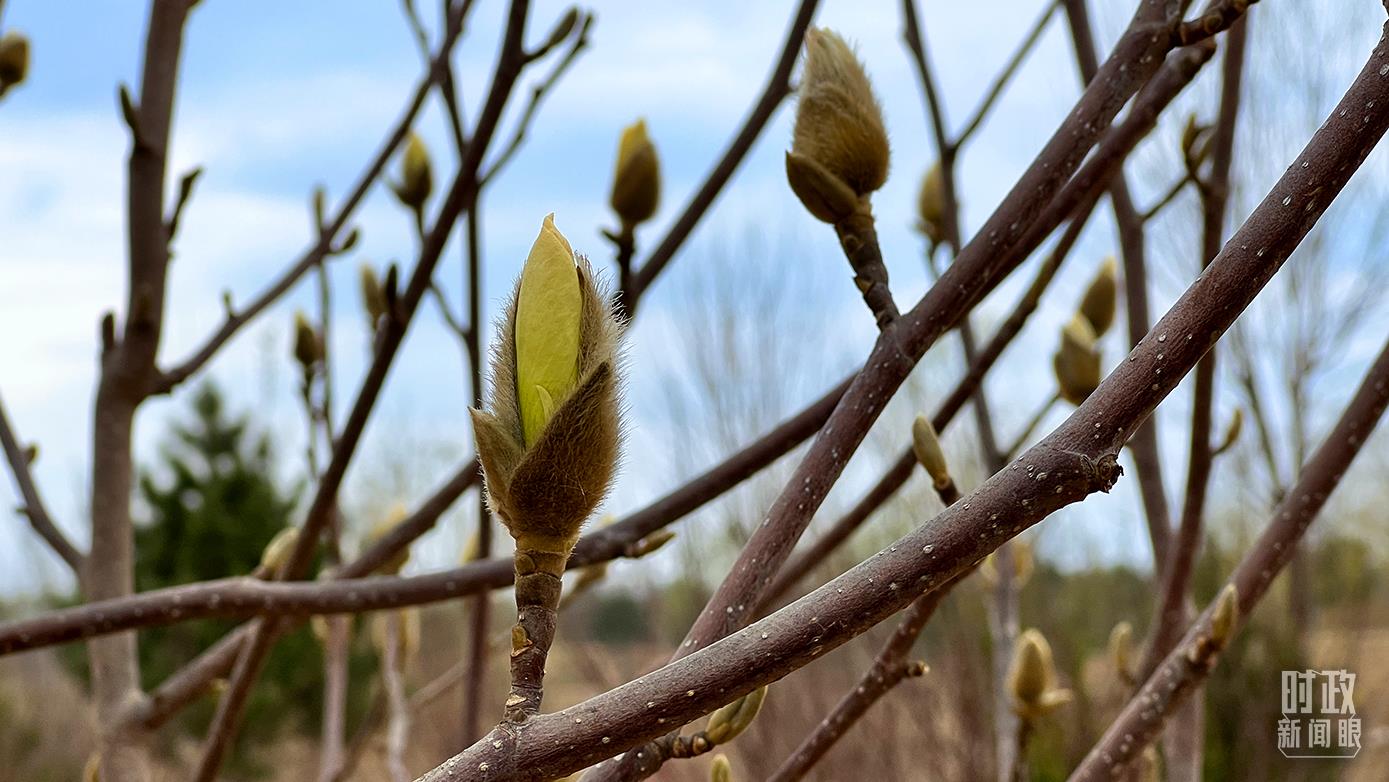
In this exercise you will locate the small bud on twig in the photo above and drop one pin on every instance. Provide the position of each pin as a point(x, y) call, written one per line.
point(1226, 616)
point(926, 445)
point(839, 146)
point(930, 204)
point(308, 346)
point(1077, 362)
point(636, 191)
point(721, 770)
point(373, 296)
point(1098, 304)
point(416, 176)
point(728, 722)
point(278, 551)
point(1121, 651)
point(1232, 431)
point(1032, 677)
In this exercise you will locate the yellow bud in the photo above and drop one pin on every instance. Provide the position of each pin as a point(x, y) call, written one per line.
point(308, 347)
point(380, 529)
point(404, 623)
point(1077, 363)
point(1225, 618)
point(14, 59)
point(839, 124)
point(1098, 304)
point(637, 178)
point(1121, 649)
point(930, 204)
point(92, 771)
point(472, 548)
point(721, 770)
point(1232, 430)
point(1149, 768)
point(373, 295)
point(1031, 673)
point(416, 175)
point(277, 552)
point(926, 445)
point(728, 722)
point(549, 311)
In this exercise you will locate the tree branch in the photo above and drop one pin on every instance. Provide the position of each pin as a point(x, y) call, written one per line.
point(34, 508)
point(1188, 665)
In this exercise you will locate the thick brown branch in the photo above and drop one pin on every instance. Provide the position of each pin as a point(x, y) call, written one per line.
point(1191, 661)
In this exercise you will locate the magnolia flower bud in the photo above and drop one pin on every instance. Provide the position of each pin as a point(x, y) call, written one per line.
point(1225, 618)
point(1121, 649)
point(928, 451)
point(373, 295)
point(1077, 362)
point(548, 439)
point(14, 59)
point(930, 204)
point(727, 722)
point(1232, 431)
point(721, 770)
point(839, 150)
point(308, 346)
point(1098, 304)
point(1024, 562)
point(416, 175)
point(637, 178)
point(277, 552)
point(1032, 676)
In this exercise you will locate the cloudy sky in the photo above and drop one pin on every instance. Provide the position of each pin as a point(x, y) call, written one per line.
point(276, 98)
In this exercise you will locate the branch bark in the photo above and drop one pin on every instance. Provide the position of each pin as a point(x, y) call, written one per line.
point(1186, 667)
point(34, 508)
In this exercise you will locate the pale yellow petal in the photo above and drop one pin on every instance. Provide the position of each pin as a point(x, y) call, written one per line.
point(549, 311)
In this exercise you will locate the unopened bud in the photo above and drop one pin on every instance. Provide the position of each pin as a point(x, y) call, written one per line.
point(721, 770)
point(278, 551)
point(1121, 649)
point(308, 347)
point(1098, 304)
point(636, 189)
point(839, 131)
point(1032, 676)
point(726, 723)
point(930, 204)
point(416, 175)
point(14, 59)
point(926, 445)
point(373, 295)
point(1232, 431)
point(1077, 362)
point(1225, 618)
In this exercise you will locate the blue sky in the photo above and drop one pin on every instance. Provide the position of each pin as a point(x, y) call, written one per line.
point(276, 98)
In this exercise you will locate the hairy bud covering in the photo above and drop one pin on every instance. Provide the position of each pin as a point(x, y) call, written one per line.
point(636, 189)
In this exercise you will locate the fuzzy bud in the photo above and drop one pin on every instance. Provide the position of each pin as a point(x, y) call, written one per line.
point(926, 445)
point(1077, 362)
point(1032, 676)
point(839, 150)
point(1024, 562)
point(308, 346)
point(1098, 304)
point(721, 770)
point(728, 722)
point(405, 633)
point(278, 551)
point(636, 189)
point(930, 204)
point(14, 59)
point(373, 295)
point(548, 439)
point(416, 175)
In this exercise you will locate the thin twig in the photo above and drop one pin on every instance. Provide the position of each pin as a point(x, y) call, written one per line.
point(1034, 34)
point(34, 508)
point(777, 88)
